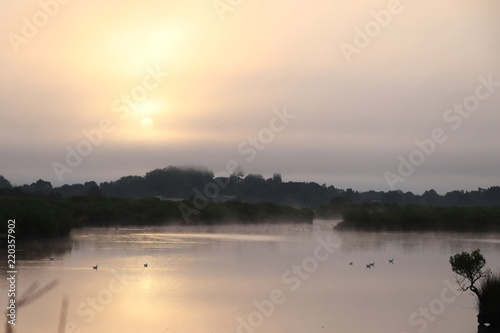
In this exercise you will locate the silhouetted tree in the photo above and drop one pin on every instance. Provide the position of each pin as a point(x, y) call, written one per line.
point(470, 268)
point(430, 197)
point(94, 191)
point(277, 178)
point(492, 195)
point(4, 183)
point(41, 186)
point(391, 197)
point(254, 180)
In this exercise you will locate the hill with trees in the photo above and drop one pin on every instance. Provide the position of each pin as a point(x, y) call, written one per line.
point(185, 182)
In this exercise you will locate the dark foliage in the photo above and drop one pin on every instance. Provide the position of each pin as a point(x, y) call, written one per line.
point(4, 183)
point(489, 303)
point(184, 182)
point(36, 216)
point(49, 215)
point(244, 212)
point(394, 217)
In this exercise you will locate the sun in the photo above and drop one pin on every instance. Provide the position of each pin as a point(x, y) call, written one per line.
point(147, 124)
point(146, 112)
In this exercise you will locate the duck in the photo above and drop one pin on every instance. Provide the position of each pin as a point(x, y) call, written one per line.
point(146, 265)
point(391, 261)
point(95, 267)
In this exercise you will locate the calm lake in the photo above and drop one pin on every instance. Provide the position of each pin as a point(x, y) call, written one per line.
point(251, 278)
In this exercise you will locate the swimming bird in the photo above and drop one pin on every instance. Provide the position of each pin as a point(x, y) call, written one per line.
point(95, 267)
point(391, 261)
point(146, 265)
point(372, 264)
point(52, 258)
point(369, 266)
point(350, 263)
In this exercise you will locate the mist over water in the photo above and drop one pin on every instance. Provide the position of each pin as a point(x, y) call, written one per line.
point(251, 278)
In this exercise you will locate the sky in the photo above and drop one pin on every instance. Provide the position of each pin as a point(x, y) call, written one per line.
point(356, 94)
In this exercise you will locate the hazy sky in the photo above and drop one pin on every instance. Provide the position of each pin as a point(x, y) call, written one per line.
point(158, 83)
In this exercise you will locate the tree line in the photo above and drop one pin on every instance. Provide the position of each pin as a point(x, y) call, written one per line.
point(395, 217)
point(51, 215)
point(180, 182)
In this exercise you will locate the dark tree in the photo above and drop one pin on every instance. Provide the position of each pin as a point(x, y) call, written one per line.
point(41, 186)
point(277, 178)
point(4, 183)
point(430, 197)
point(470, 268)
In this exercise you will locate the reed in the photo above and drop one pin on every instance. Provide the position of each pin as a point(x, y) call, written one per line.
point(33, 293)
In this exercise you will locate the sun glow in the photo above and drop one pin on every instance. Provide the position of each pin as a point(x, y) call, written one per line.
point(148, 108)
point(145, 113)
point(147, 124)
point(133, 49)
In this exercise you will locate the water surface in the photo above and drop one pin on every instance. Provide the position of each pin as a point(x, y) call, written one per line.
point(272, 278)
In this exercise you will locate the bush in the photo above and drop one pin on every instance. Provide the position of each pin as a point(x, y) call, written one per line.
point(489, 302)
